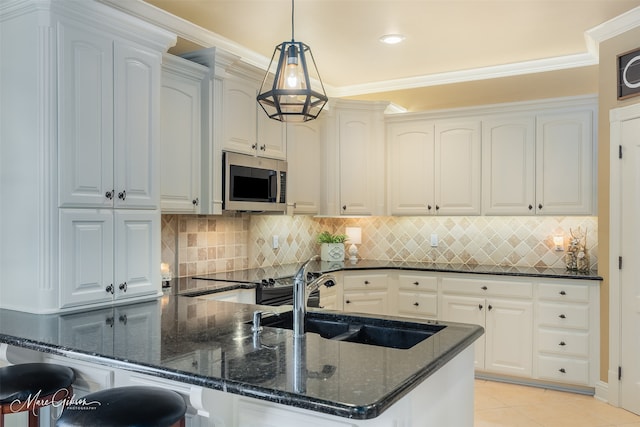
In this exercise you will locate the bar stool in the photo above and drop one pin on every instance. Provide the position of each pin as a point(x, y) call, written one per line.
point(28, 386)
point(133, 406)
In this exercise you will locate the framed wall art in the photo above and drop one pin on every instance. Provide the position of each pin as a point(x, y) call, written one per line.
point(629, 74)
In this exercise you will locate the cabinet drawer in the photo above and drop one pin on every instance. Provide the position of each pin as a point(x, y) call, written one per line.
point(565, 370)
point(564, 315)
point(487, 287)
point(564, 342)
point(418, 304)
point(416, 282)
point(365, 281)
point(563, 292)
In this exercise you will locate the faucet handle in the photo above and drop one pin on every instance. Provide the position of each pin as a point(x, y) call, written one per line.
point(257, 320)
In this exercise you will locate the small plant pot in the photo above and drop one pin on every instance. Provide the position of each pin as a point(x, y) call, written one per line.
point(332, 252)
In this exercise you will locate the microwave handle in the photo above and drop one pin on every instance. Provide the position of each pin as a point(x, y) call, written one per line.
point(274, 188)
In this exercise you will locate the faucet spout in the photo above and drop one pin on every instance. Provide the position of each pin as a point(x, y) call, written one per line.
point(302, 288)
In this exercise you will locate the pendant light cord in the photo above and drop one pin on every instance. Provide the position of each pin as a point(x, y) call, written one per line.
point(292, 10)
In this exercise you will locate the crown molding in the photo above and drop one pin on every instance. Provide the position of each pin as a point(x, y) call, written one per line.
point(507, 70)
point(203, 37)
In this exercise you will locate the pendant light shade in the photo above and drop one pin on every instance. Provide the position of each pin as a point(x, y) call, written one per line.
point(286, 93)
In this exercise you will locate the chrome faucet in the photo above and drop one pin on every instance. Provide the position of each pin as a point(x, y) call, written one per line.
point(302, 288)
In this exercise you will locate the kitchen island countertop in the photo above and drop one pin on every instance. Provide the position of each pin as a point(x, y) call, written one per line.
point(342, 379)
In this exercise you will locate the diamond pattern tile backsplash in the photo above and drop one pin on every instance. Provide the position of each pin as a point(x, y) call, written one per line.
point(209, 244)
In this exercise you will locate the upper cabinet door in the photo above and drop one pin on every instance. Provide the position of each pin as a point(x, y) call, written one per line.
point(508, 166)
point(136, 135)
point(457, 167)
point(181, 137)
point(354, 136)
point(85, 91)
point(564, 163)
point(239, 116)
point(303, 172)
point(411, 175)
point(271, 136)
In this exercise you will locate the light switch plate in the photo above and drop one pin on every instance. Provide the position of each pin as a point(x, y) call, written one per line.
point(434, 240)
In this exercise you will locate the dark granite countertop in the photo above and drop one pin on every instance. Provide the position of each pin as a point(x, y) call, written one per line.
point(250, 277)
point(210, 344)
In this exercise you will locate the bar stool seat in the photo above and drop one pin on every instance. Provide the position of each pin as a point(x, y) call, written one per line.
point(134, 406)
point(28, 386)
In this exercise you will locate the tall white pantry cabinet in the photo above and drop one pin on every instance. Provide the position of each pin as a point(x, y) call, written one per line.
point(79, 128)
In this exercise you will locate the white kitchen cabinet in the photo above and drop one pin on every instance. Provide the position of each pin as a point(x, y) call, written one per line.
point(304, 144)
point(508, 165)
point(567, 334)
point(109, 255)
point(417, 296)
point(434, 167)
point(564, 162)
point(246, 128)
point(539, 163)
point(109, 104)
point(505, 310)
point(411, 150)
point(86, 130)
point(366, 292)
point(457, 167)
point(354, 165)
point(180, 136)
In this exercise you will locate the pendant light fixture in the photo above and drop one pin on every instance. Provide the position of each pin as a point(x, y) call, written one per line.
point(286, 93)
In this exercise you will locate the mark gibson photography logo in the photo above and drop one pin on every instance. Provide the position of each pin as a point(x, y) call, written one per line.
point(59, 399)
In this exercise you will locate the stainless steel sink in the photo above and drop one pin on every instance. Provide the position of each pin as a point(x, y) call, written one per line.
point(360, 330)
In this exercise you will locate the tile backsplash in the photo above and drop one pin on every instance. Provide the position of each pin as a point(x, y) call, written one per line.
point(208, 244)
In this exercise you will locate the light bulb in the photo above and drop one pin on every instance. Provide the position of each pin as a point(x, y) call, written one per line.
point(292, 79)
point(293, 82)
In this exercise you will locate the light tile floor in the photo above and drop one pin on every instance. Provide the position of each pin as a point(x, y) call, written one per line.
point(507, 405)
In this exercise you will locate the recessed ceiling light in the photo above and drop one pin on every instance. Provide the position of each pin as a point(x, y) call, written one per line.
point(392, 38)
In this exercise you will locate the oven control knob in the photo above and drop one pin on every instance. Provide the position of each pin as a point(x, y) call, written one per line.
point(272, 282)
point(264, 282)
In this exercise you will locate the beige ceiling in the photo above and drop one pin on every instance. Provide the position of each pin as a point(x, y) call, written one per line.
point(442, 36)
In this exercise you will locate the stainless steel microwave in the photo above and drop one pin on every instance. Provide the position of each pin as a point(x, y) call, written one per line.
point(254, 184)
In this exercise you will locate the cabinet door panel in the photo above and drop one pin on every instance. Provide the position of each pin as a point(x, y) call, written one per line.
point(85, 89)
point(136, 106)
point(564, 163)
point(354, 138)
point(304, 167)
point(509, 337)
point(457, 167)
point(180, 144)
point(411, 175)
point(508, 163)
point(137, 253)
point(271, 136)
point(466, 310)
point(239, 116)
point(86, 245)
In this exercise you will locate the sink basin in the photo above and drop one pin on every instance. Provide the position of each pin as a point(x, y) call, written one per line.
point(385, 336)
point(326, 328)
point(360, 330)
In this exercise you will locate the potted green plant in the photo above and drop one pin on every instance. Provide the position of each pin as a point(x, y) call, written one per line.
point(331, 246)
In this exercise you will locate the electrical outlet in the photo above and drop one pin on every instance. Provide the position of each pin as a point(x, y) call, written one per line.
point(434, 240)
point(275, 242)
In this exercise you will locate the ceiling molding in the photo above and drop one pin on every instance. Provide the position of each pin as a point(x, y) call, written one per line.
point(612, 28)
point(507, 70)
point(203, 37)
